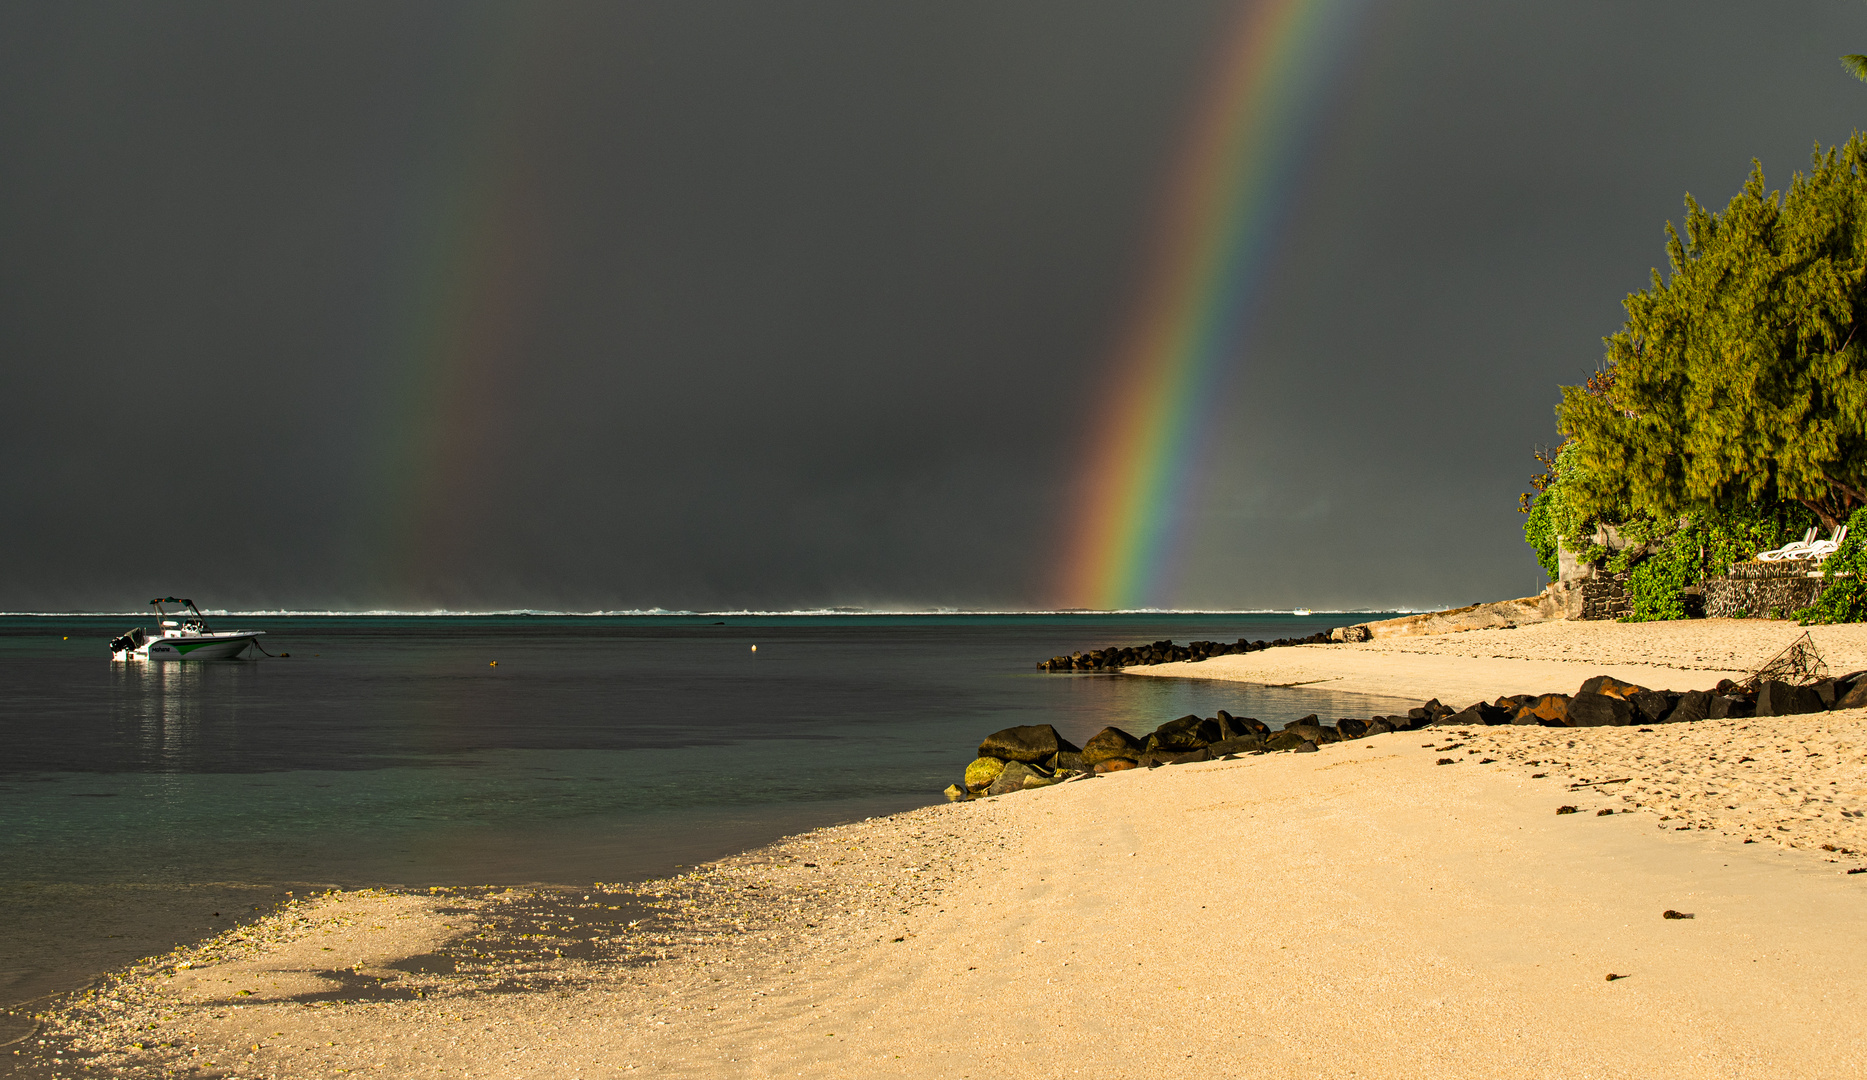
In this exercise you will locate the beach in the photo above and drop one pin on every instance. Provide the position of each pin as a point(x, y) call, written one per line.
point(1408, 904)
point(1541, 658)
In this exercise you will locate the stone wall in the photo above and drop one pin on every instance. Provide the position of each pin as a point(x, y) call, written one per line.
point(1761, 590)
point(1604, 596)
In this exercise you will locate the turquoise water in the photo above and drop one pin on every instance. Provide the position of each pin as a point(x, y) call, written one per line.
point(508, 749)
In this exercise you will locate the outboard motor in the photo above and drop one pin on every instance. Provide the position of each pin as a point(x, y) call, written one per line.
point(132, 640)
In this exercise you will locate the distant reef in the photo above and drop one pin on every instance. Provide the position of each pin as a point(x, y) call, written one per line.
point(1559, 601)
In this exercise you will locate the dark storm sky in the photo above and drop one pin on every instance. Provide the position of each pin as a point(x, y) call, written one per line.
point(748, 305)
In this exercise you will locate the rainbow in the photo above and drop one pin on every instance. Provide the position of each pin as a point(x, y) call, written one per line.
point(465, 279)
point(1225, 204)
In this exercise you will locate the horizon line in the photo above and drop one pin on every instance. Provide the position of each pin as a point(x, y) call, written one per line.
point(222, 613)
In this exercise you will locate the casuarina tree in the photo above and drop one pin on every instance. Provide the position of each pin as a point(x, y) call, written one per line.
point(1741, 378)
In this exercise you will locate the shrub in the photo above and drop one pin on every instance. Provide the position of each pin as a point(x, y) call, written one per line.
point(1680, 554)
point(1844, 588)
point(1555, 510)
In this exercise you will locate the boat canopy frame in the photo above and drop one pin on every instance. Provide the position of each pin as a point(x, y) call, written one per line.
point(161, 614)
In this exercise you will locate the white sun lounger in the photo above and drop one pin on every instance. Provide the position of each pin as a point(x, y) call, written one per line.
point(1792, 550)
point(1821, 549)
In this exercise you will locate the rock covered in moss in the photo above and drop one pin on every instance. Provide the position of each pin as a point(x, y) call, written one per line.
point(1017, 776)
point(981, 773)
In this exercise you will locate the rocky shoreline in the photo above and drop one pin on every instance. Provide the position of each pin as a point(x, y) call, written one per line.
point(1034, 756)
point(1115, 658)
point(885, 947)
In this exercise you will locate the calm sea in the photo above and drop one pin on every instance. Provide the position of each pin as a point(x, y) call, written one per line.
point(143, 805)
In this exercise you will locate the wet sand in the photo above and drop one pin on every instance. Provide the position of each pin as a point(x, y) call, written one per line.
point(1364, 910)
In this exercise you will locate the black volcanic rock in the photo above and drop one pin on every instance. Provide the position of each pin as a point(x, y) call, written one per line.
point(1852, 692)
point(1232, 726)
point(1588, 709)
point(1693, 705)
point(1186, 733)
point(1652, 705)
point(1776, 698)
point(1029, 744)
point(1724, 706)
point(1111, 742)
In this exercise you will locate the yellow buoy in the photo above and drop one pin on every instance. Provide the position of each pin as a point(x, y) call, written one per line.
point(495, 663)
point(755, 648)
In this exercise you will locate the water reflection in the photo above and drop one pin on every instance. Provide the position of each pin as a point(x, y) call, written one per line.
point(389, 750)
point(388, 744)
point(178, 710)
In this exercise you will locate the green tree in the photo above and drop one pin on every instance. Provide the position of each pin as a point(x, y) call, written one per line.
point(1740, 378)
point(1856, 65)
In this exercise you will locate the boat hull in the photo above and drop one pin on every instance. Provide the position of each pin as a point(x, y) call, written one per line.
point(205, 647)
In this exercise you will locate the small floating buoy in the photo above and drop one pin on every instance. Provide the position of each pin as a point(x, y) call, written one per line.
point(755, 648)
point(495, 663)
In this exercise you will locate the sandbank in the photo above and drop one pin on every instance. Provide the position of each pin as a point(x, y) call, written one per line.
point(1542, 658)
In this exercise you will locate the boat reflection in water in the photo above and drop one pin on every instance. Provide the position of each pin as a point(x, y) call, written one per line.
point(180, 718)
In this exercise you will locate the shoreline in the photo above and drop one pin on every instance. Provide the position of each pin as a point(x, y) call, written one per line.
point(1542, 658)
point(1361, 909)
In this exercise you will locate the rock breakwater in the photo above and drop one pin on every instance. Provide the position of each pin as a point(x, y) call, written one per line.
point(1115, 658)
point(1034, 756)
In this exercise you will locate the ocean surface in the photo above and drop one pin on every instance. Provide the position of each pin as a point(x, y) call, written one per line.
point(142, 805)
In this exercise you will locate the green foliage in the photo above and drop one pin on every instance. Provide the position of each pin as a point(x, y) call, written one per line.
point(1671, 557)
point(1741, 378)
point(1856, 65)
point(1557, 510)
point(1844, 592)
point(1540, 534)
point(1656, 588)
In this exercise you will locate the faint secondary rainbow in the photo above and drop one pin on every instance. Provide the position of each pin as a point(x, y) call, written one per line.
point(1225, 204)
point(466, 270)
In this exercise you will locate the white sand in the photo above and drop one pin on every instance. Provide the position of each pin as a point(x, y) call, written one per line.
point(1546, 658)
point(1360, 911)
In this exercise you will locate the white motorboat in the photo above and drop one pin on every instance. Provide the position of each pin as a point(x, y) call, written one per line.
point(182, 637)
